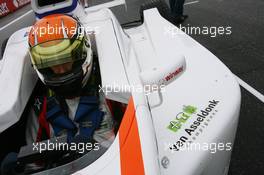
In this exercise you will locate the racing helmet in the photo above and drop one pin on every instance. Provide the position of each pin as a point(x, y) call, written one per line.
point(61, 53)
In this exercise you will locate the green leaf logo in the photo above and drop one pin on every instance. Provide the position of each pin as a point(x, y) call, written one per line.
point(189, 109)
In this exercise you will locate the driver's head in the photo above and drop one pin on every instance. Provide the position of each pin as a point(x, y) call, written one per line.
point(61, 54)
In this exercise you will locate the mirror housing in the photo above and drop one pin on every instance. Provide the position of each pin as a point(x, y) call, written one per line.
point(165, 73)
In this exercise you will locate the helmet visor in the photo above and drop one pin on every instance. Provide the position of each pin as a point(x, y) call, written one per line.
point(57, 52)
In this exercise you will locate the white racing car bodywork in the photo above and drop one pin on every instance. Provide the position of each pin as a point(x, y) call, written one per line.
point(192, 78)
point(17, 79)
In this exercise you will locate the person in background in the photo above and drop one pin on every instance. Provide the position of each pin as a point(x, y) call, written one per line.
point(177, 10)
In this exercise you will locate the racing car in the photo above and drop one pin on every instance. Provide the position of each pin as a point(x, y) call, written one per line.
point(182, 102)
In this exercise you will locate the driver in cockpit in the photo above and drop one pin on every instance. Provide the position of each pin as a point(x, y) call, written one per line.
point(62, 56)
point(71, 104)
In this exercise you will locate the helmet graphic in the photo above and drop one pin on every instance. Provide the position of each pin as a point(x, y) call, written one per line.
point(61, 53)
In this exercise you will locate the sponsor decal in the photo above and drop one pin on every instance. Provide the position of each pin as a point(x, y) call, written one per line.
point(191, 132)
point(173, 74)
point(15, 3)
point(7, 7)
point(19, 3)
point(4, 9)
point(170, 76)
point(181, 118)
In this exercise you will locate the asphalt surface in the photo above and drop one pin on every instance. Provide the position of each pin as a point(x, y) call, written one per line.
point(242, 52)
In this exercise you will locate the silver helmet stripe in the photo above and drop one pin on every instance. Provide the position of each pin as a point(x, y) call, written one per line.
point(35, 39)
point(63, 29)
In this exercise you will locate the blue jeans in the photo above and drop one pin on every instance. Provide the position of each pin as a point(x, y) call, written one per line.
point(176, 7)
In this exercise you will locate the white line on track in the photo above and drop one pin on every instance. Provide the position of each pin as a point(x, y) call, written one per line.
point(192, 2)
point(17, 19)
point(250, 89)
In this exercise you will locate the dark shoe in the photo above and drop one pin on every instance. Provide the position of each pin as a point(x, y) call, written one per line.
point(180, 19)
